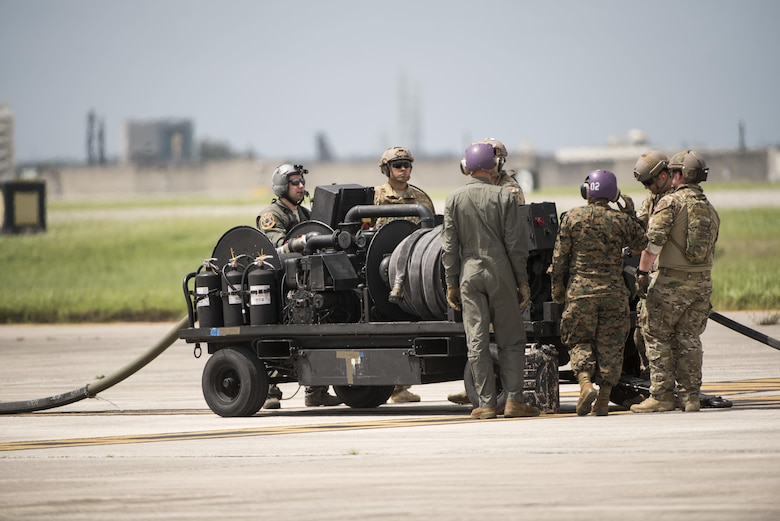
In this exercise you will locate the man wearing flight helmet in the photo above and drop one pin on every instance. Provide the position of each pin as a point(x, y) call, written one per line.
point(284, 212)
point(507, 181)
point(587, 278)
point(275, 221)
point(682, 233)
point(484, 254)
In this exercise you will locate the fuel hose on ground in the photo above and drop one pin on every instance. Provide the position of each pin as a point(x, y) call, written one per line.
point(92, 389)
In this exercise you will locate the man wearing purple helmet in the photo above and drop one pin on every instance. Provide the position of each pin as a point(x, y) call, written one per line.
point(484, 253)
point(587, 278)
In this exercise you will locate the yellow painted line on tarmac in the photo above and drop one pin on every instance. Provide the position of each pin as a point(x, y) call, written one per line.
point(736, 390)
point(238, 433)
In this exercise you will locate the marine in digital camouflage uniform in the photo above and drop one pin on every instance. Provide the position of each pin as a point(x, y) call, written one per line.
point(651, 169)
point(587, 277)
point(678, 297)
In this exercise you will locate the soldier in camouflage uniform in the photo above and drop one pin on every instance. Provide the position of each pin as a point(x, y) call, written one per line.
point(682, 233)
point(650, 170)
point(587, 277)
point(396, 164)
point(484, 253)
point(275, 221)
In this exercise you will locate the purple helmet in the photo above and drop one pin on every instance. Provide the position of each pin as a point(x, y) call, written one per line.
point(601, 184)
point(480, 156)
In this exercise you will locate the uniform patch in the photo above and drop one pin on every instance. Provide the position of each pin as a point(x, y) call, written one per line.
point(267, 221)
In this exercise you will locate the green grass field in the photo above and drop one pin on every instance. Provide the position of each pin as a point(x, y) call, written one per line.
point(86, 269)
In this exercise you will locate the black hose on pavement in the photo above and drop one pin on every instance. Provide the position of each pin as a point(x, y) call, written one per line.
point(92, 389)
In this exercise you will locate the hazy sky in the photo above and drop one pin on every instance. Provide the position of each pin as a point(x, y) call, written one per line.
point(270, 75)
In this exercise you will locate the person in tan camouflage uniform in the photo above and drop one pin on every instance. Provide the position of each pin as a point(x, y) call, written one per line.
point(651, 169)
point(396, 165)
point(587, 277)
point(682, 233)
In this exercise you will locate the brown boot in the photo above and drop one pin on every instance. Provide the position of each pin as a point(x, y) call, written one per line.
point(690, 402)
point(317, 396)
point(519, 410)
point(653, 404)
point(601, 405)
point(587, 394)
point(403, 395)
point(461, 398)
point(484, 413)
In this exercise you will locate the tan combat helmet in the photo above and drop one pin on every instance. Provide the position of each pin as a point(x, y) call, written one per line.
point(649, 165)
point(394, 154)
point(691, 164)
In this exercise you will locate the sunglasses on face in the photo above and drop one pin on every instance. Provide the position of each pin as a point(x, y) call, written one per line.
point(648, 182)
point(296, 182)
point(401, 164)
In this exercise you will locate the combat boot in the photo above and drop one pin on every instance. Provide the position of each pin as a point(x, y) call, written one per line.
point(404, 396)
point(601, 405)
point(273, 397)
point(461, 398)
point(316, 396)
point(587, 394)
point(484, 413)
point(690, 402)
point(519, 410)
point(661, 404)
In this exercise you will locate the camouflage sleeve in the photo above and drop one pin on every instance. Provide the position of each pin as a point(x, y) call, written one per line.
point(644, 211)
point(562, 252)
point(636, 239)
point(660, 224)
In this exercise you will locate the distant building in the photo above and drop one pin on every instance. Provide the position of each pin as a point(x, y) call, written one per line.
point(158, 142)
point(6, 143)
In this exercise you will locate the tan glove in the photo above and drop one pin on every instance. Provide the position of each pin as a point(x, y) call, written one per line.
point(525, 296)
point(453, 297)
point(642, 283)
point(558, 293)
point(628, 205)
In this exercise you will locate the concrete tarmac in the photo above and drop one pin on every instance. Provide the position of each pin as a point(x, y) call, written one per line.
point(149, 448)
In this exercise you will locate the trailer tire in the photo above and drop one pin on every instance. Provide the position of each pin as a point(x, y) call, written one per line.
point(471, 390)
point(363, 396)
point(235, 382)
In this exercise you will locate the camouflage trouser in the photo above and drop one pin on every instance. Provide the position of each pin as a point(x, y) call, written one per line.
point(639, 336)
point(487, 300)
point(676, 316)
point(595, 330)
